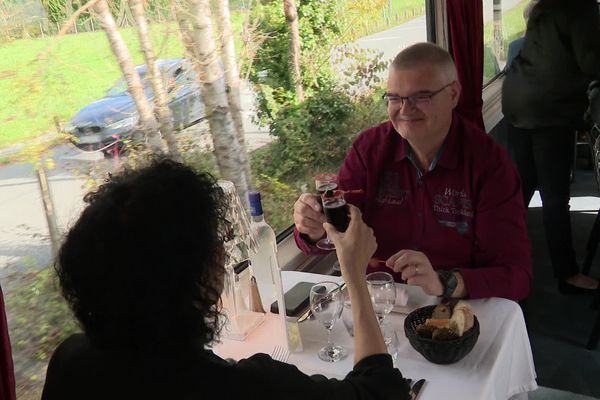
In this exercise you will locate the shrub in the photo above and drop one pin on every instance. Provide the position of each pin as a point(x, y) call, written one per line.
point(39, 317)
point(319, 29)
point(309, 133)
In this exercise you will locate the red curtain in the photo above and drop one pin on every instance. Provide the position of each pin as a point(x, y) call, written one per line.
point(7, 375)
point(465, 26)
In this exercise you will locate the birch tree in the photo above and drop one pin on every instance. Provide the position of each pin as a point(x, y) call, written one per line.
point(165, 117)
point(68, 13)
point(498, 35)
point(291, 17)
point(147, 122)
point(196, 25)
point(232, 78)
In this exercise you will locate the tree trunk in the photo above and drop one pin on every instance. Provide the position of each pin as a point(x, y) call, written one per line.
point(68, 13)
point(232, 79)
point(165, 117)
point(48, 209)
point(291, 16)
point(226, 147)
point(498, 36)
point(147, 123)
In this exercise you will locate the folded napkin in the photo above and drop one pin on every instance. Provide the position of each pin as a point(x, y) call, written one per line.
point(401, 296)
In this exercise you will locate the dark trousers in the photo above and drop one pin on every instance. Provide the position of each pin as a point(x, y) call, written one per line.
point(544, 158)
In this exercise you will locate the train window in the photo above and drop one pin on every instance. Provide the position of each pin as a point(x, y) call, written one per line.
point(503, 24)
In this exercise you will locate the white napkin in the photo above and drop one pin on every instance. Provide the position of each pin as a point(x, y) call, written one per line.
point(401, 296)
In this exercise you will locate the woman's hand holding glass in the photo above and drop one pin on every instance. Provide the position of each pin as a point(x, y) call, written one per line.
point(355, 247)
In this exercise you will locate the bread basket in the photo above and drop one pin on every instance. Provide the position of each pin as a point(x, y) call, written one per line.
point(438, 351)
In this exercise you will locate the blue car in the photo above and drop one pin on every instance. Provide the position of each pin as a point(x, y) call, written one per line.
point(104, 124)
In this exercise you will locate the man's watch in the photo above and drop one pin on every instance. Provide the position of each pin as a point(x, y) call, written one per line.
point(449, 282)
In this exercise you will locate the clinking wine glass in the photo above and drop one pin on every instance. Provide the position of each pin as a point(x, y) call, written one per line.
point(326, 303)
point(383, 293)
point(325, 181)
point(336, 213)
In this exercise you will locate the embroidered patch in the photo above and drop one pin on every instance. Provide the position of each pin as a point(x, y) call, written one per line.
point(453, 202)
point(453, 209)
point(389, 191)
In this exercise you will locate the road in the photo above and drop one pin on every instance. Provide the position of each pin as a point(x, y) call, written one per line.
point(24, 241)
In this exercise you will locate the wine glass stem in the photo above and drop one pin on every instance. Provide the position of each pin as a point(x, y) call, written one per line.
point(329, 341)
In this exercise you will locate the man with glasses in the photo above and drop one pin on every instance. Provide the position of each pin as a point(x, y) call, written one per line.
point(443, 199)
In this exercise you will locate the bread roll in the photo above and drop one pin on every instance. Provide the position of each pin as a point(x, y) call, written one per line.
point(457, 322)
point(441, 311)
point(437, 322)
point(468, 314)
point(461, 304)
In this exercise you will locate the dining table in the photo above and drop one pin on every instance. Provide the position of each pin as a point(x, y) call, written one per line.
point(499, 367)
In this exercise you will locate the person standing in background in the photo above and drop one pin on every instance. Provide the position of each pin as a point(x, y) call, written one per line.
point(543, 101)
point(515, 46)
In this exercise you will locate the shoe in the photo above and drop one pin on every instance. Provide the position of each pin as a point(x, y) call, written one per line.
point(571, 290)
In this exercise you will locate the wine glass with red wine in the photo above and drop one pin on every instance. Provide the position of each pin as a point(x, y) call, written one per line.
point(325, 181)
point(336, 213)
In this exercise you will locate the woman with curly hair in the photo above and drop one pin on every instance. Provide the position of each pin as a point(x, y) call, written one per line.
point(142, 270)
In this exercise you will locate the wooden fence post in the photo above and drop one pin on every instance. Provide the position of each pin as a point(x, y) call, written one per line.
point(48, 208)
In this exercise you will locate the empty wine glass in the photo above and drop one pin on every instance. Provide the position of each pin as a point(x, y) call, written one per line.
point(326, 303)
point(336, 213)
point(383, 293)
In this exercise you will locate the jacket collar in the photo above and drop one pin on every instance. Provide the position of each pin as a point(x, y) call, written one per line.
point(447, 156)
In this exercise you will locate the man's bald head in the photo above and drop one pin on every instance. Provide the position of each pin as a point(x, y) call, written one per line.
point(420, 54)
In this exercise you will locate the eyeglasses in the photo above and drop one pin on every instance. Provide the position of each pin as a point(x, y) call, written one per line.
point(419, 99)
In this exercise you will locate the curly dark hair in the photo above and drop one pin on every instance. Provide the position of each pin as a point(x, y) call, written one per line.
point(142, 268)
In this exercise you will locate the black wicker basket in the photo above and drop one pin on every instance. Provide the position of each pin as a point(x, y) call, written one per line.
point(438, 351)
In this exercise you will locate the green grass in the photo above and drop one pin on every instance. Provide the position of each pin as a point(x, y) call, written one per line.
point(513, 27)
point(79, 69)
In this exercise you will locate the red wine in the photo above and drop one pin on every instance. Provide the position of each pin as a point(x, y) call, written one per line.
point(336, 212)
point(326, 186)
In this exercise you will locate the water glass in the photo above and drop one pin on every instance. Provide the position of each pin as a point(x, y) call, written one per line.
point(326, 303)
point(390, 337)
point(383, 293)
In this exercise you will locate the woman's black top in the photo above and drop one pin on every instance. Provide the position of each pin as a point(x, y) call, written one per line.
point(78, 370)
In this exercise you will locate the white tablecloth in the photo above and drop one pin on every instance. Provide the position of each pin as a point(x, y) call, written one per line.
point(500, 365)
